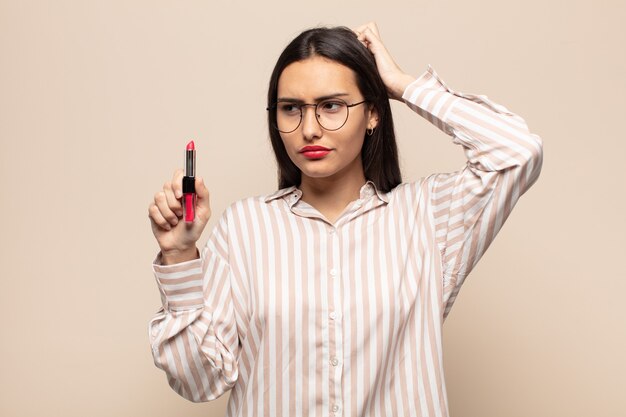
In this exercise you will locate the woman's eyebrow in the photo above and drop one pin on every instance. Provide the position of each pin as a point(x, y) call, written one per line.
point(326, 97)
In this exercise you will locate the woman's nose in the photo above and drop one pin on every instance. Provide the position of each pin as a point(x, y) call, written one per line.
point(310, 126)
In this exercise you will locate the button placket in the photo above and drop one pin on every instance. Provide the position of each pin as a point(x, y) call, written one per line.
point(334, 325)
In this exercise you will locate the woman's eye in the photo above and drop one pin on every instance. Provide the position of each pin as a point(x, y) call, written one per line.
point(331, 106)
point(288, 108)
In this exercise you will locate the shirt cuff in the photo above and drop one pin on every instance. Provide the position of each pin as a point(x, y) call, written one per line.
point(430, 97)
point(180, 284)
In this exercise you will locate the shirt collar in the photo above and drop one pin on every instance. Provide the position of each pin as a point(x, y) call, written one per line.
point(367, 190)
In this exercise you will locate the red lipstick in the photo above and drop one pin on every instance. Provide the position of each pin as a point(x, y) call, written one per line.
point(314, 152)
point(189, 183)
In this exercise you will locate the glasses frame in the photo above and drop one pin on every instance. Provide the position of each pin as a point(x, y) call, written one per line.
point(300, 106)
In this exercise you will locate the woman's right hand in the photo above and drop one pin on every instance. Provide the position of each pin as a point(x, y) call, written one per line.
point(394, 78)
point(173, 234)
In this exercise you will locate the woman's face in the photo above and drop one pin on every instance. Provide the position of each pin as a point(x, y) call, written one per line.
point(308, 81)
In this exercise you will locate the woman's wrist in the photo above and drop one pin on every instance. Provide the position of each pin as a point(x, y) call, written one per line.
point(401, 84)
point(177, 256)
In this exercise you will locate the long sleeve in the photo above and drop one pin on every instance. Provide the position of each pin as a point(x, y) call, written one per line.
point(194, 336)
point(469, 206)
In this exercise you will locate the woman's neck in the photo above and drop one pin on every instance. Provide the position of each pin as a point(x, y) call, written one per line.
point(331, 194)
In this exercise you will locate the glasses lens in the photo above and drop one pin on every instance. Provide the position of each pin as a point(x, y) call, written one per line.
point(332, 114)
point(287, 116)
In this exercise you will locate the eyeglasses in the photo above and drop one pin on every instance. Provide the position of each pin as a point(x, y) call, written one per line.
point(331, 114)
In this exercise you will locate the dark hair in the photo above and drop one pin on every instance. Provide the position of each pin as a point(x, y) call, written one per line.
point(340, 44)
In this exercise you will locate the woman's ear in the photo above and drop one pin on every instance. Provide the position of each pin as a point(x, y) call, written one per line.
point(372, 121)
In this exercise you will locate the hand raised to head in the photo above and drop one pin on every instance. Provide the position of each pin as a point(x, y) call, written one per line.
point(394, 78)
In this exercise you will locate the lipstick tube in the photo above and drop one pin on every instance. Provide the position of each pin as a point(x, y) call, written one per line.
point(189, 182)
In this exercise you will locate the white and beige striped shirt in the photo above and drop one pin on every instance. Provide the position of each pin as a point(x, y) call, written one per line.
point(301, 317)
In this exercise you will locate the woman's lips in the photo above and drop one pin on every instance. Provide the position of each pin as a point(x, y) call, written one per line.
point(314, 151)
point(315, 154)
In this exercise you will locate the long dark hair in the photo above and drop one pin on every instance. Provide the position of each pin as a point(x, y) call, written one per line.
point(380, 152)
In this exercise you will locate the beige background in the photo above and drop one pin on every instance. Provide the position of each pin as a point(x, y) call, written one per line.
point(98, 98)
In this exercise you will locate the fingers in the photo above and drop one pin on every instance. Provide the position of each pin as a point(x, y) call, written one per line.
point(165, 212)
point(157, 218)
point(177, 183)
point(392, 75)
point(202, 196)
point(167, 208)
point(173, 203)
point(370, 38)
point(371, 26)
point(201, 190)
point(367, 33)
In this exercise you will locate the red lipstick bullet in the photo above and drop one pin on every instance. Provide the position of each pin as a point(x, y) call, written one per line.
point(189, 183)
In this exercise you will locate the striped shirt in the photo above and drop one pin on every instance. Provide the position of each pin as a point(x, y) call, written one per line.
point(301, 317)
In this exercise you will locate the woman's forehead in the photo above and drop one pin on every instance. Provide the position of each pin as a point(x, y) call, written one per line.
point(316, 77)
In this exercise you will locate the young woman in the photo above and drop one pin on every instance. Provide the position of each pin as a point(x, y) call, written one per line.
point(327, 297)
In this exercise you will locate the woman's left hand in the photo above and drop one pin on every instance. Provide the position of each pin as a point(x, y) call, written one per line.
point(394, 78)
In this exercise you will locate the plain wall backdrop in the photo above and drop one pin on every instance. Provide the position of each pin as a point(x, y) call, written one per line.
point(99, 98)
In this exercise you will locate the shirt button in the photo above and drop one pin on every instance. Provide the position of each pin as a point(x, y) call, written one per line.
point(333, 272)
point(332, 315)
point(335, 408)
point(334, 361)
point(331, 231)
